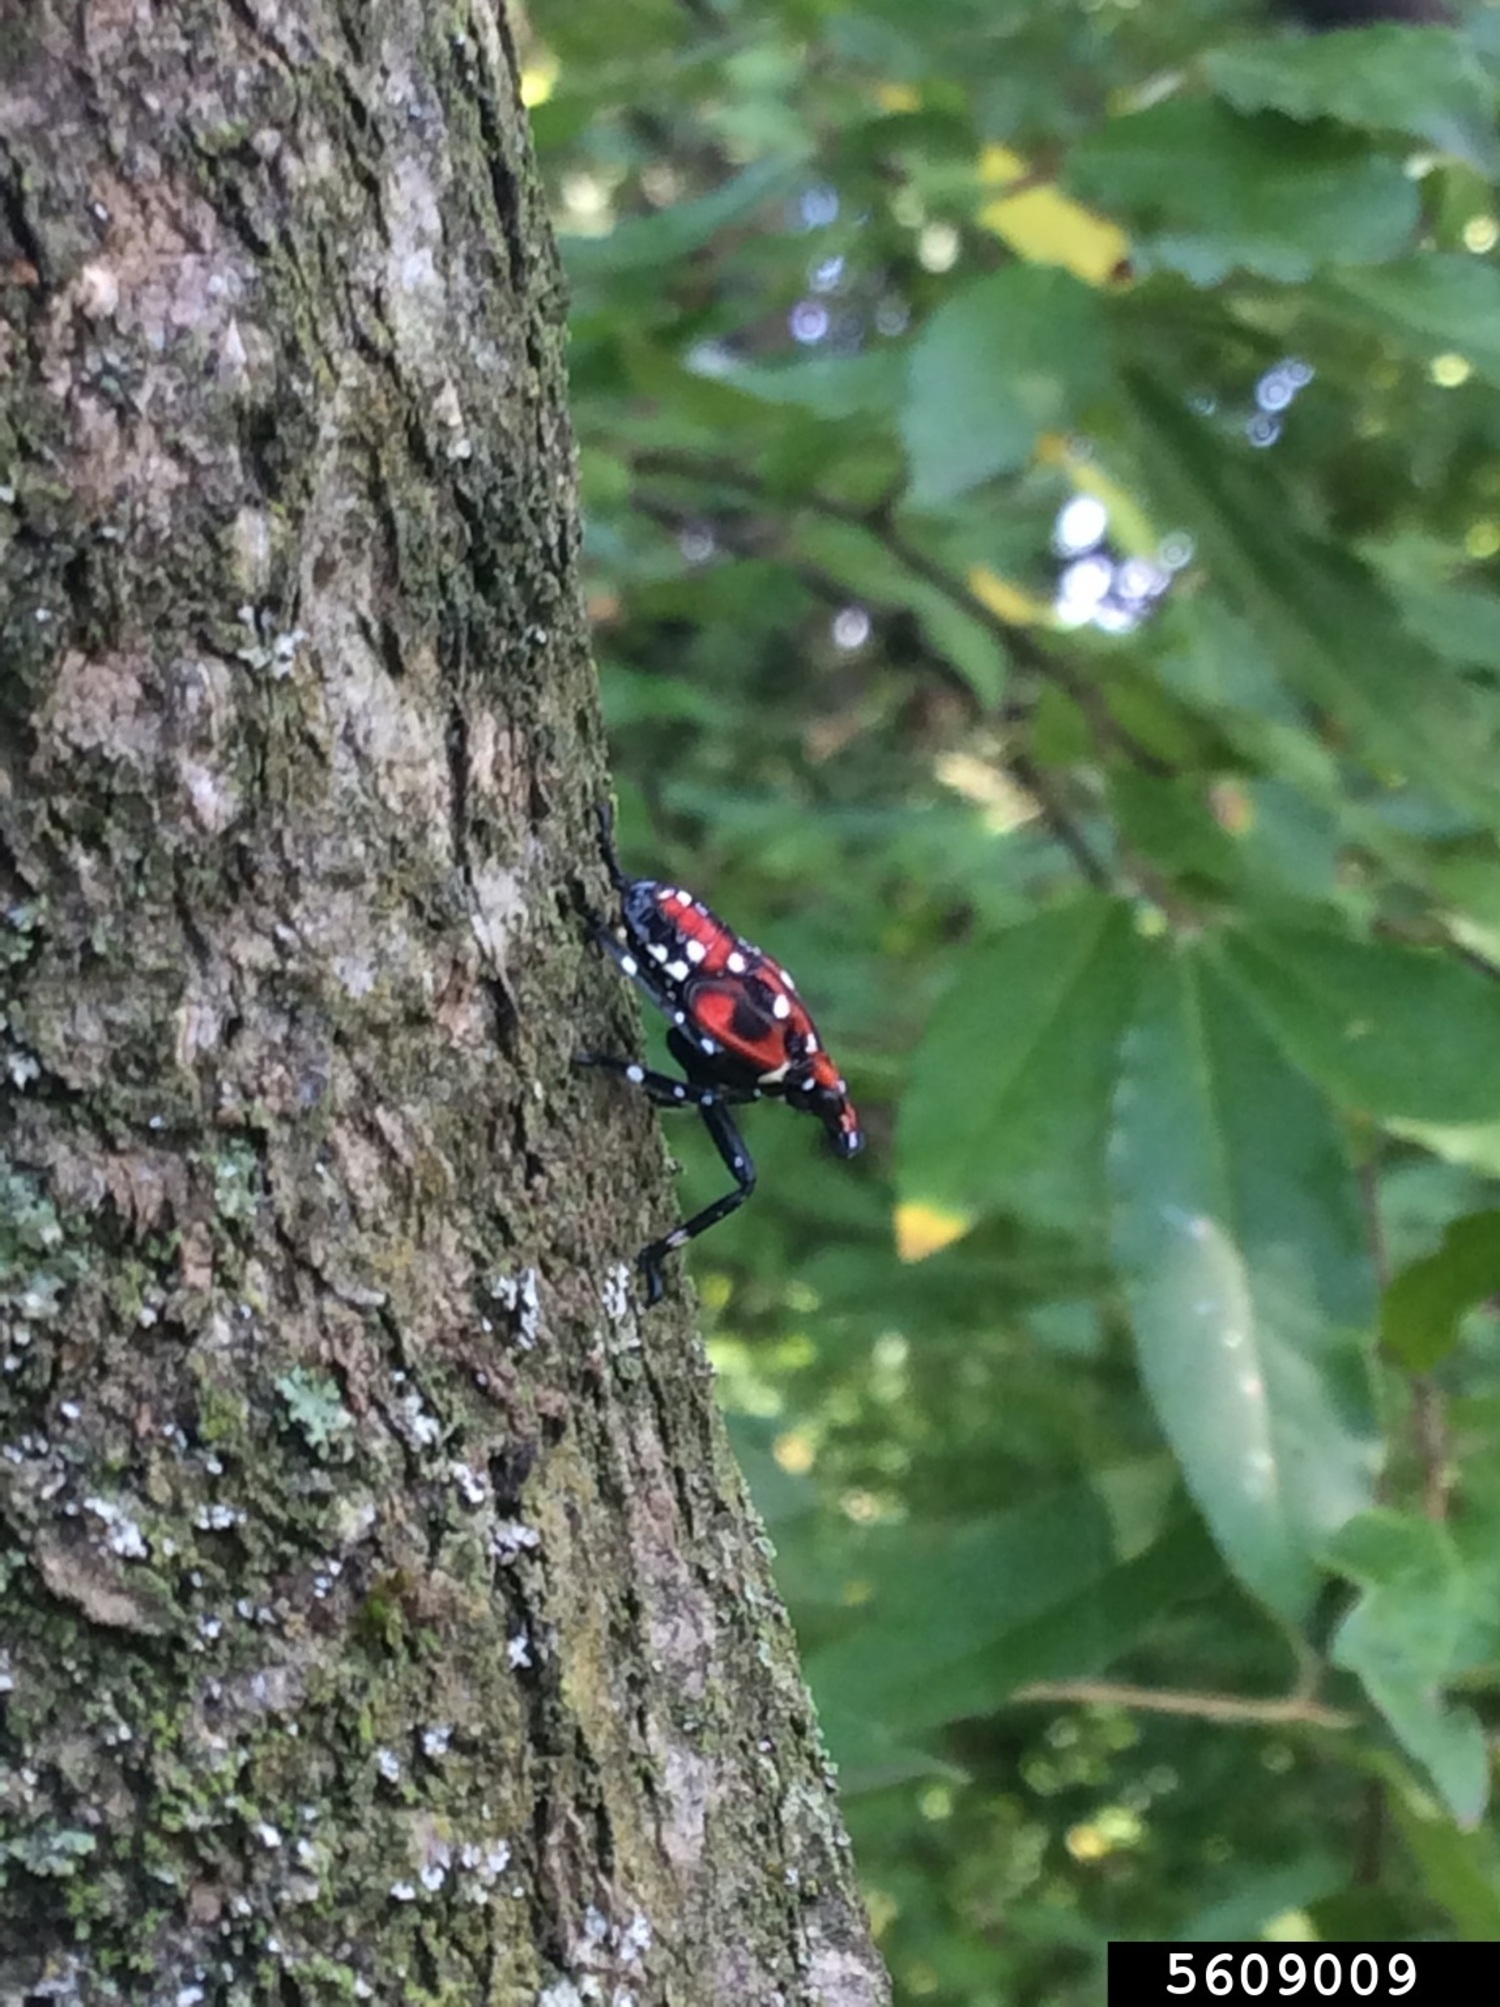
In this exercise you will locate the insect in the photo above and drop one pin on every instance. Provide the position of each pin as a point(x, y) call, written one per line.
point(738, 1030)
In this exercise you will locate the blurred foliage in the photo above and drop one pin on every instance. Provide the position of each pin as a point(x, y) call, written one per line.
point(1043, 513)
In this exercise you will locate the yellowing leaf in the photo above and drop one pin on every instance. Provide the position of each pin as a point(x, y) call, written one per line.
point(997, 164)
point(539, 77)
point(1046, 227)
point(1021, 609)
point(1006, 806)
point(897, 97)
point(921, 1230)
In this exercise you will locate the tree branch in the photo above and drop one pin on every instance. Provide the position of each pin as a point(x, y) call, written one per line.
point(1293, 1710)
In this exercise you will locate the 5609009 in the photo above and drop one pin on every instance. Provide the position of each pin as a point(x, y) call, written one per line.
point(1312, 1975)
point(1283, 1975)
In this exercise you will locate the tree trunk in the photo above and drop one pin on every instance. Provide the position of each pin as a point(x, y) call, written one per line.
point(382, 1616)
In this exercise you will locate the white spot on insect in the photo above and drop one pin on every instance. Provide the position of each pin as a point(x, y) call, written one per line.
point(786, 977)
point(676, 1237)
point(679, 1093)
point(707, 1045)
point(781, 1007)
point(707, 1100)
point(776, 1074)
point(678, 1017)
point(695, 951)
point(657, 952)
point(630, 965)
point(809, 1043)
point(678, 971)
point(739, 1164)
point(636, 1075)
point(736, 963)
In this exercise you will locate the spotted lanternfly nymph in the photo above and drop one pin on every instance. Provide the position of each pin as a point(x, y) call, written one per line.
point(739, 1030)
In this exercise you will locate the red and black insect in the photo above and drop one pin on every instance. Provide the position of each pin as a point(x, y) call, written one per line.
point(738, 1031)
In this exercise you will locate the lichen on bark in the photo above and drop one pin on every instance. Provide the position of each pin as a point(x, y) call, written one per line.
point(382, 1613)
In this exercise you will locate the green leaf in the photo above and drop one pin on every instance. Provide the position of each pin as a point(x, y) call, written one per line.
point(1004, 359)
point(1439, 303)
point(1008, 1102)
point(1239, 1237)
point(870, 1757)
point(1476, 1538)
point(1390, 1031)
point(858, 559)
point(1086, 1633)
point(1475, 1145)
point(965, 1614)
point(939, 1593)
point(1397, 78)
point(1168, 819)
point(631, 697)
point(640, 243)
point(1460, 623)
point(1323, 616)
point(601, 35)
point(1209, 190)
point(1425, 1303)
point(1461, 1870)
point(1256, 1900)
point(1402, 1638)
point(832, 386)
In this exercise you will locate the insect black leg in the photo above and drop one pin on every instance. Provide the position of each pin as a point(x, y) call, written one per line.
point(730, 1145)
point(712, 1102)
point(663, 1088)
point(605, 815)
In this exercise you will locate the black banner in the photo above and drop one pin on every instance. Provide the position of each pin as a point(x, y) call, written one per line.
point(1301, 1975)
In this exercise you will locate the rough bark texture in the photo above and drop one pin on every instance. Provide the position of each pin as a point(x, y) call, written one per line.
point(381, 1613)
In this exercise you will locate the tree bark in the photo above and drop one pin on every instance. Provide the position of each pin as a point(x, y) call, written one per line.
point(382, 1614)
